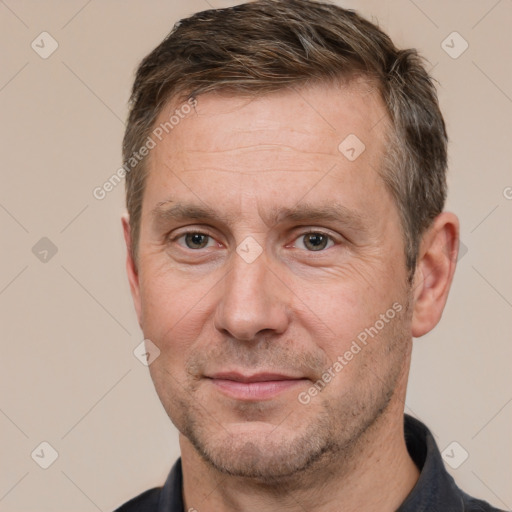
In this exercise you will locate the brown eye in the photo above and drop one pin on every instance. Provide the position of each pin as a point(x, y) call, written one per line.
point(196, 240)
point(314, 241)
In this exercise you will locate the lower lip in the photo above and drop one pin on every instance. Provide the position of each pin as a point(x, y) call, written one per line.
point(255, 390)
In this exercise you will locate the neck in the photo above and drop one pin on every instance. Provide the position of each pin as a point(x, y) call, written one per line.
point(377, 476)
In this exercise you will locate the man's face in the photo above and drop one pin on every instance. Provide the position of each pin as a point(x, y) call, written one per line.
point(285, 247)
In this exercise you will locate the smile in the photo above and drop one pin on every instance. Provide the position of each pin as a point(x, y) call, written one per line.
point(263, 386)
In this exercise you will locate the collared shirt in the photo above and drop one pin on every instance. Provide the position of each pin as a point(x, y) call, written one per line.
point(435, 490)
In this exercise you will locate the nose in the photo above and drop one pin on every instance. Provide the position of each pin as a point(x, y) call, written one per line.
point(254, 301)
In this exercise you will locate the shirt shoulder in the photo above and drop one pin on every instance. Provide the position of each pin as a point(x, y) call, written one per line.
point(145, 502)
point(435, 489)
point(159, 499)
point(475, 505)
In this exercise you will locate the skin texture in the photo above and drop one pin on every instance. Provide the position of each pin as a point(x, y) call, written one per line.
point(292, 310)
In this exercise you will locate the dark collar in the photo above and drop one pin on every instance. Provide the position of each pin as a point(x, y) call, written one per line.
point(435, 490)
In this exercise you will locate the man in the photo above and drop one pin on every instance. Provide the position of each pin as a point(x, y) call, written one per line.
point(285, 169)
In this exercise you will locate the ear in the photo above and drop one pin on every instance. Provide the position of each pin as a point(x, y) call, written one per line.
point(131, 267)
point(437, 259)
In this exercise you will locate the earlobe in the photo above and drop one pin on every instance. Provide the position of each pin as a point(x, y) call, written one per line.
point(131, 268)
point(435, 268)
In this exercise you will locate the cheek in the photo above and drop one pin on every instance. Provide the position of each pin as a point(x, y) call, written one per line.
point(174, 310)
point(335, 311)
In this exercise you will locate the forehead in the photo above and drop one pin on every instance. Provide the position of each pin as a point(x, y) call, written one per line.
point(316, 115)
point(259, 147)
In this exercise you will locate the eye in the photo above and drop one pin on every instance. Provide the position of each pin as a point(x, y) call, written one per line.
point(196, 240)
point(314, 241)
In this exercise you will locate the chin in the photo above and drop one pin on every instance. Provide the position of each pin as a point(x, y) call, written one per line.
point(263, 451)
point(259, 458)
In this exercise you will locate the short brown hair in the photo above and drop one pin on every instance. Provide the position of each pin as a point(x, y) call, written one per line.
point(269, 45)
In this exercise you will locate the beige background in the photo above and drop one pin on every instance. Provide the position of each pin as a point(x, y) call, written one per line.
point(68, 329)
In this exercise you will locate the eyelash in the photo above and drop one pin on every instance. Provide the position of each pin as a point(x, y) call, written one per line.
point(305, 233)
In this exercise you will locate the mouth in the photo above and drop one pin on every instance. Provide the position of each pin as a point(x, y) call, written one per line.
point(255, 387)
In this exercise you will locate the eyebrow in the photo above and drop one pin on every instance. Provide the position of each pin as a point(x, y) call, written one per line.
point(167, 211)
